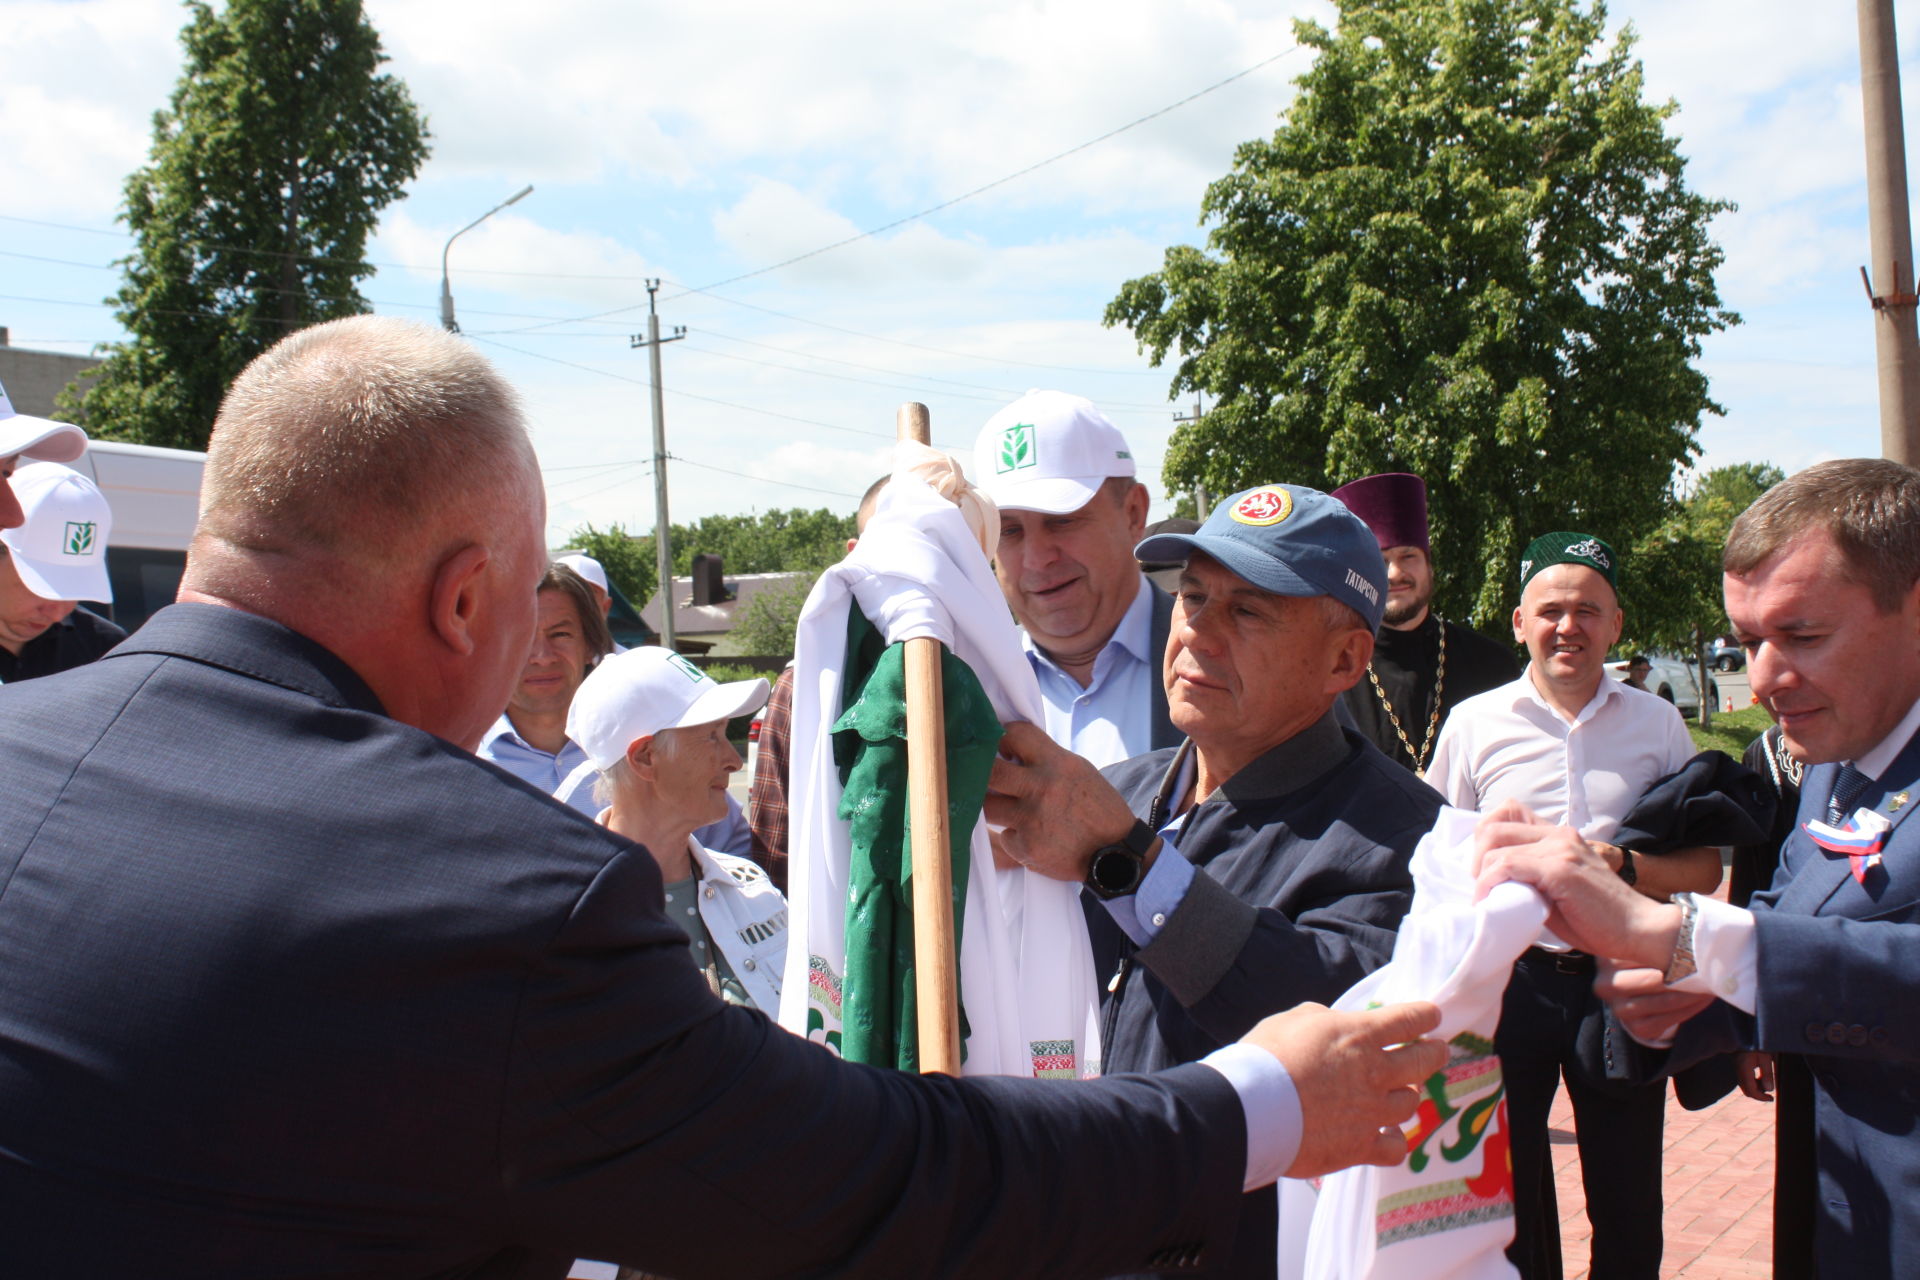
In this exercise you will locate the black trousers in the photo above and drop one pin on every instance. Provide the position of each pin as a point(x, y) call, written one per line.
point(1618, 1127)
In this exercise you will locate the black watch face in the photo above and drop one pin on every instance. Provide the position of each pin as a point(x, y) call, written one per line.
point(1114, 870)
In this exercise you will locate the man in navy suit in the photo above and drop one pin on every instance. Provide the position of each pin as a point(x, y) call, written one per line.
point(292, 984)
point(1822, 579)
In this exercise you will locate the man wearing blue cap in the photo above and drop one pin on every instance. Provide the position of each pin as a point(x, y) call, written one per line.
point(1263, 862)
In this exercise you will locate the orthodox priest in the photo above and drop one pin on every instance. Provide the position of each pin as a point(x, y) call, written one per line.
point(1423, 666)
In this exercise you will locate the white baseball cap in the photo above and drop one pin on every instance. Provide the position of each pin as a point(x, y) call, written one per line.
point(587, 567)
point(635, 694)
point(61, 550)
point(1048, 451)
point(42, 438)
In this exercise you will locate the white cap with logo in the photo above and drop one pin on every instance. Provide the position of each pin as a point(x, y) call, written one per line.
point(60, 552)
point(636, 694)
point(31, 437)
point(586, 566)
point(1048, 451)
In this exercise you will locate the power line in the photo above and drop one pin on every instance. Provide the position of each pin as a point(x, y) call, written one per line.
point(281, 253)
point(689, 395)
point(791, 484)
point(964, 196)
point(707, 331)
point(870, 337)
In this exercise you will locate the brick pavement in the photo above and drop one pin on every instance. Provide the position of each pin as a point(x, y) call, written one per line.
point(1718, 1182)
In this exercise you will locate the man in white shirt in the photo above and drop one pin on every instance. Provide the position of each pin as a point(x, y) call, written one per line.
point(1093, 626)
point(1578, 749)
point(1822, 580)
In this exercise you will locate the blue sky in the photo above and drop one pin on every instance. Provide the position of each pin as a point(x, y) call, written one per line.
point(698, 143)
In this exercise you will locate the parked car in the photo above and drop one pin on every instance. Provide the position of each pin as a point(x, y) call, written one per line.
point(1727, 656)
point(1673, 679)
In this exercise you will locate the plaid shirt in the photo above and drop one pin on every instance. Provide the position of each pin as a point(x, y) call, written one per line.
point(767, 799)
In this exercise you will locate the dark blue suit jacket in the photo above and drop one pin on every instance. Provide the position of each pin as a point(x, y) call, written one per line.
point(1838, 978)
point(288, 988)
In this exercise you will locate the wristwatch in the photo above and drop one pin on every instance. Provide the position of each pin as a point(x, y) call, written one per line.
point(1682, 964)
point(1116, 870)
point(1627, 872)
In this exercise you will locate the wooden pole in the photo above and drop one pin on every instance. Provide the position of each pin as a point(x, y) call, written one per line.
point(935, 958)
point(1892, 287)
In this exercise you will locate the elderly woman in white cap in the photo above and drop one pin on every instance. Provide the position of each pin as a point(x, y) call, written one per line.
point(655, 727)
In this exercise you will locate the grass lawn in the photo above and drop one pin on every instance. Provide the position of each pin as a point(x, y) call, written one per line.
point(1731, 731)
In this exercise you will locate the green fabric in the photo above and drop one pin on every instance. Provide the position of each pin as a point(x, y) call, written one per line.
point(878, 1008)
point(1567, 547)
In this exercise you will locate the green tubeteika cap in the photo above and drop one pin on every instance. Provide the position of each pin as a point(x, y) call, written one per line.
point(1567, 547)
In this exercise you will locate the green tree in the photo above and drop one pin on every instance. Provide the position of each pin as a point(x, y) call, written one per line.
point(627, 558)
point(268, 171)
point(765, 627)
point(1469, 252)
point(764, 542)
point(1670, 584)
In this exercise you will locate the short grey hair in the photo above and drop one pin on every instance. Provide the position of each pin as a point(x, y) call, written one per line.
point(1338, 615)
point(357, 435)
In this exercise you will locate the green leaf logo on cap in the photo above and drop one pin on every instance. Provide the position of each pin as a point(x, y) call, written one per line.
point(686, 668)
point(1017, 448)
point(79, 540)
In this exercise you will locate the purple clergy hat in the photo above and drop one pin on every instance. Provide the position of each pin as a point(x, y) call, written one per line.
point(1393, 505)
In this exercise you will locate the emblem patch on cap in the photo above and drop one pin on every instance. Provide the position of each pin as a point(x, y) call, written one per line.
point(1017, 448)
point(686, 668)
point(1263, 507)
point(1591, 550)
point(79, 539)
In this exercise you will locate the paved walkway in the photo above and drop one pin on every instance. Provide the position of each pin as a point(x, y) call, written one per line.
point(1718, 1181)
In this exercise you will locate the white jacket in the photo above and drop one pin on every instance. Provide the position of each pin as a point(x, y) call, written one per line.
point(747, 919)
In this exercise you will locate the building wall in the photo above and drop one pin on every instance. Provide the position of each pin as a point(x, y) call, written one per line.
point(34, 378)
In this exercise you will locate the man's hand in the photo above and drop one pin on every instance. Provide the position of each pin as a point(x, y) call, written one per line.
point(1649, 1009)
point(1356, 1075)
point(1590, 906)
point(1054, 806)
point(1754, 1071)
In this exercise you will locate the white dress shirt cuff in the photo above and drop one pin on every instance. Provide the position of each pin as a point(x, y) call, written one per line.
point(1723, 953)
point(1272, 1107)
point(1143, 913)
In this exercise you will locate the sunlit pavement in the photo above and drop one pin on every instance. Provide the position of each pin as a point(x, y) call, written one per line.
point(1717, 1178)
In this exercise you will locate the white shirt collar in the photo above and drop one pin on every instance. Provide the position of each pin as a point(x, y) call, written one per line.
point(1880, 759)
point(1609, 688)
point(1133, 634)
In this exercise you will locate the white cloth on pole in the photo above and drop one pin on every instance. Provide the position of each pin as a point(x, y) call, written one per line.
point(1026, 969)
point(1446, 1211)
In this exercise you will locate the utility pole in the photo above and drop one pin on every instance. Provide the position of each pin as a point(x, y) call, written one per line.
point(1896, 344)
point(1200, 507)
point(663, 553)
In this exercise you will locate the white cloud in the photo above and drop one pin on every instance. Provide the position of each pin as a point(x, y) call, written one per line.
point(81, 86)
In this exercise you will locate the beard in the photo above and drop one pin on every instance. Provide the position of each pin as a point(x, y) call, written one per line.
point(1405, 613)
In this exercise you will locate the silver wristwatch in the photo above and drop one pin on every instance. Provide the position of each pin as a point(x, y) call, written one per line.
point(1682, 965)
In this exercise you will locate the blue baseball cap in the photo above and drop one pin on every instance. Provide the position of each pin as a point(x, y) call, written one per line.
point(1290, 540)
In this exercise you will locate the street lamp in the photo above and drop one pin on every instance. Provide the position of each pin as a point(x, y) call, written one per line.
point(446, 294)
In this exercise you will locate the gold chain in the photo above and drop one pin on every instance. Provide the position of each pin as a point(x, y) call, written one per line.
point(1419, 758)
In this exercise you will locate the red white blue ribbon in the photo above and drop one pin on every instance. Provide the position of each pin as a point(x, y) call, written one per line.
point(1862, 839)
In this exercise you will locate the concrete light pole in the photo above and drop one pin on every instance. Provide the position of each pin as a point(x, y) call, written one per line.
point(446, 294)
point(1891, 287)
point(663, 550)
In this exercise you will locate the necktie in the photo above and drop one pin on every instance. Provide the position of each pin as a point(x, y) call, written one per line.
point(1846, 789)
